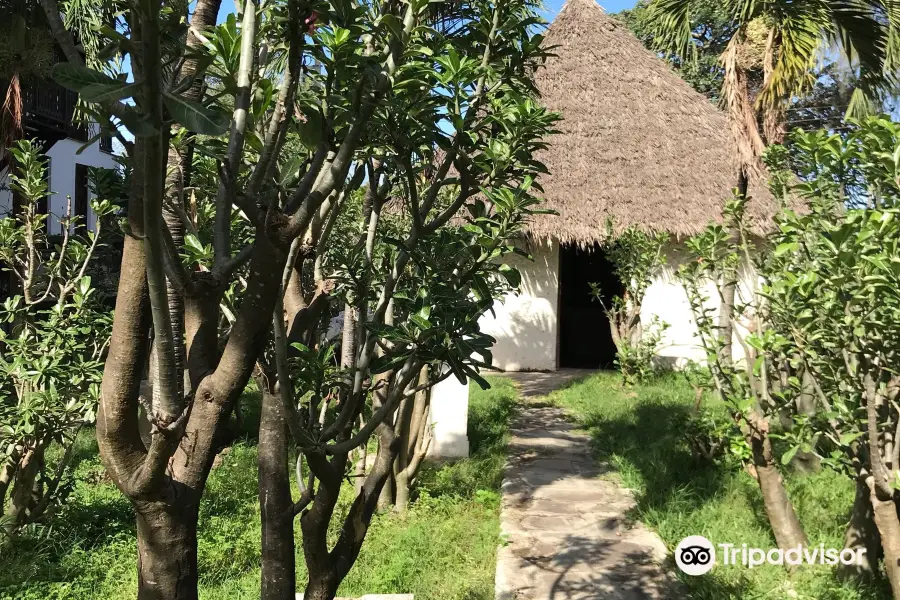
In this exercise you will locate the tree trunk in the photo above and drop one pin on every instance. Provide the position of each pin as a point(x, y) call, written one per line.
point(779, 510)
point(349, 338)
point(729, 289)
point(412, 441)
point(172, 220)
point(278, 579)
point(862, 534)
point(401, 497)
point(400, 476)
point(774, 125)
point(885, 513)
point(21, 497)
point(167, 550)
point(323, 579)
point(7, 473)
point(726, 323)
point(359, 470)
point(386, 497)
point(321, 588)
point(806, 462)
point(327, 569)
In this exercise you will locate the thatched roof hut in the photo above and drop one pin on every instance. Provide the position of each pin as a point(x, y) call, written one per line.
point(637, 144)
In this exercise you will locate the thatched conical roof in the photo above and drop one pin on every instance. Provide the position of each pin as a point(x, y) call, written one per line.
point(637, 144)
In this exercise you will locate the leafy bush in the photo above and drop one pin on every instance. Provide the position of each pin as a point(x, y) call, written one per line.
point(833, 287)
point(635, 359)
point(636, 256)
point(714, 437)
point(53, 336)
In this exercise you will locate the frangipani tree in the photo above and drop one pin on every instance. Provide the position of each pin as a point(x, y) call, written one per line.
point(636, 256)
point(832, 287)
point(296, 111)
point(748, 387)
point(53, 335)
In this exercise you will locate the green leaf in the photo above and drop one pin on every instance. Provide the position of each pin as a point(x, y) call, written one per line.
point(786, 247)
point(196, 117)
point(84, 286)
point(512, 275)
point(137, 124)
point(100, 92)
point(848, 438)
point(789, 455)
point(194, 243)
point(420, 322)
point(78, 77)
point(386, 363)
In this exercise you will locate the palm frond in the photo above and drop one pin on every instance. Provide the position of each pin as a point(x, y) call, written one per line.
point(11, 114)
point(868, 34)
point(798, 29)
point(861, 30)
point(862, 104)
point(736, 102)
point(745, 11)
point(890, 16)
point(671, 25)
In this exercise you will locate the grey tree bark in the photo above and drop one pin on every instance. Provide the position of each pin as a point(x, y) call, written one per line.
point(862, 534)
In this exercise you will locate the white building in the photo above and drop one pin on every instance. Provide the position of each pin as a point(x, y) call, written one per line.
point(68, 181)
point(638, 147)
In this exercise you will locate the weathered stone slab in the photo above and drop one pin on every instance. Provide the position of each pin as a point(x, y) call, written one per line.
point(567, 531)
point(374, 597)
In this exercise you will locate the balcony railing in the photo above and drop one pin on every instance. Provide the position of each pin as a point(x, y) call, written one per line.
point(48, 108)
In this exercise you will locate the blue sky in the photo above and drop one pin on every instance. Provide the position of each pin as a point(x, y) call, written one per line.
point(609, 6)
point(553, 6)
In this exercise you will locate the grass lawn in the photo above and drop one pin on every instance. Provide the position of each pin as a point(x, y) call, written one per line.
point(640, 431)
point(443, 549)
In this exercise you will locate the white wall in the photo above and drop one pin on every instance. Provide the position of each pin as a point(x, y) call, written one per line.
point(526, 323)
point(449, 419)
point(63, 159)
point(667, 299)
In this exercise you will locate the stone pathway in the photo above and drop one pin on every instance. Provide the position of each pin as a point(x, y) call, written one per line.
point(566, 529)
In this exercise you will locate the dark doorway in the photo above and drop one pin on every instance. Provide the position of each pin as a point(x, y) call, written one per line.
point(585, 340)
point(81, 196)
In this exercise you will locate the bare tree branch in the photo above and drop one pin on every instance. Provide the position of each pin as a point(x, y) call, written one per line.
point(225, 196)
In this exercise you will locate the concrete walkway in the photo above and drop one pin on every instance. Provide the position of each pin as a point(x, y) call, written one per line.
point(566, 530)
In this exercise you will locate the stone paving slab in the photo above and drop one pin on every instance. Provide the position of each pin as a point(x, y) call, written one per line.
point(567, 533)
point(299, 596)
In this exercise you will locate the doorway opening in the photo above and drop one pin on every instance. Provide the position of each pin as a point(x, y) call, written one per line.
point(585, 339)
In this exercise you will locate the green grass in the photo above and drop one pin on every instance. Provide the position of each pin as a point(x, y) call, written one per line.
point(640, 432)
point(442, 549)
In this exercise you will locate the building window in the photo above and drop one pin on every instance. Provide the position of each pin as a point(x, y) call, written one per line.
point(44, 203)
point(80, 208)
point(106, 144)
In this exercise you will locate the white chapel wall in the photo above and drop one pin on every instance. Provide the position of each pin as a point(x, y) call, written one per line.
point(449, 419)
point(526, 323)
point(666, 299)
point(63, 159)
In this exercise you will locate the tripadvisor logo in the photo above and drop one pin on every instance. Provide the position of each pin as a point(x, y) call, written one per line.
point(696, 555)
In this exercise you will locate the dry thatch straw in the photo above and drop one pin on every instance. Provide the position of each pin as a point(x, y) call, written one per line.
point(636, 145)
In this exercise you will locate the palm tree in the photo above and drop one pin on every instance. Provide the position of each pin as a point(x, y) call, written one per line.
point(784, 39)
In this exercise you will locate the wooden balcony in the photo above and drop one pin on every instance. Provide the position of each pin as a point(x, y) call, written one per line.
point(48, 110)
